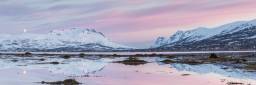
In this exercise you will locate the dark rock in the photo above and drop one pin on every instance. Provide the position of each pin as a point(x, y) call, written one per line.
point(115, 55)
point(185, 74)
point(153, 54)
point(42, 59)
point(132, 61)
point(54, 63)
point(66, 56)
point(71, 82)
point(81, 55)
point(240, 61)
point(170, 56)
point(28, 53)
point(14, 60)
point(65, 82)
point(213, 56)
point(235, 83)
point(167, 61)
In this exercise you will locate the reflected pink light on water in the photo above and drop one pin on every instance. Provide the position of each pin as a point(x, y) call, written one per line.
point(119, 74)
point(151, 74)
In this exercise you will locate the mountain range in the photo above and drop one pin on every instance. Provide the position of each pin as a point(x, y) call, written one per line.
point(239, 35)
point(75, 39)
point(234, 36)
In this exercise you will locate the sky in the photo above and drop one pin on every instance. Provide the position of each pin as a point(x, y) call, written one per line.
point(134, 23)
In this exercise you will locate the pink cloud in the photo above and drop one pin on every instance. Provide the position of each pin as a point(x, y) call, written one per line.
point(131, 21)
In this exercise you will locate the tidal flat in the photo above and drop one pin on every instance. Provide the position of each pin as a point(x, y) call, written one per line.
point(177, 69)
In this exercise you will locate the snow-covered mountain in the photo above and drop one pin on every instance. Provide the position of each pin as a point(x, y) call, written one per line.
point(204, 38)
point(75, 39)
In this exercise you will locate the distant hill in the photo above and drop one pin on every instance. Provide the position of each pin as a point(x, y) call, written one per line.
point(234, 36)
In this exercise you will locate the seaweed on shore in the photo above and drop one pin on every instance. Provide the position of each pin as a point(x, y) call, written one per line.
point(54, 63)
point(235, 83)
point(65, 82)
point(167, 61)
point(26, 54)
point(81, 55)
point(132, 61)
point(185, 74)
point(65, 56)
point(250, 67)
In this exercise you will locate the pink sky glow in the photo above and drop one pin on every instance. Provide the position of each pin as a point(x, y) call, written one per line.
point(129, 22)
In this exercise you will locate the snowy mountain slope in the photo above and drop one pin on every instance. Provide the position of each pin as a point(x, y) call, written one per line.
point(160, 41)
point(202, 36)
point(83, 39)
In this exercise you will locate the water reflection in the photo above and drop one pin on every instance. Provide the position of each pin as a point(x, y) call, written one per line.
point(70, 67)
point(215, 69)
point(117, 71)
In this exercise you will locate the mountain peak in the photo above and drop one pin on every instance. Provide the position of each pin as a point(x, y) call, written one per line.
point(75, 31)
point(65, 38)
point(159, 41)
point(241, 30)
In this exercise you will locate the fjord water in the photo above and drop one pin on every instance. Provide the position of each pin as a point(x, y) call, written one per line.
point(96, 70)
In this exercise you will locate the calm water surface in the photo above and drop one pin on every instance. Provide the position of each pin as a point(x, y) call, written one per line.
point(102, 71)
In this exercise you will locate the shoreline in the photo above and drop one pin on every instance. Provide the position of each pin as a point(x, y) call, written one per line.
point(227, 67)
point(124, 53)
